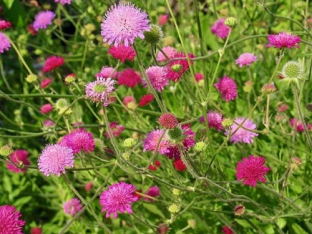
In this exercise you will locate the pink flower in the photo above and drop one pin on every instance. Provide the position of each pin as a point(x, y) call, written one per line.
point(151, 141)
point(54, 159)
point(214, 120)
point(227, 88)
point(43, 19)
point(220, 29)
point(157, 77)
point(199, 76)
point(118, 197)
point(162, 19)
point(123, 23)
point(48, 123)
point(52, 62)
point(36, 230)
point(100, 90)
point(282, 108)
point(107, 72)
point(63, 2)
point(4, 24)
point(145, 99)
point(298, 125)
point(169, 51)
point(122, 52)
point(251, 169)
point(129, 78)
point(116, 130)
point(18, 157)
point(242, 135)
point(46, 108)
point(5, 43)
point(88, 186)
point(128, 99)
point(245, 59)
point(168, 120)
point(72, 207)
point(78, 140)
point(283, 40)
point(9, 220)
point(177, 68)
point(152, 192)
point(46, 82)
point(227, 230)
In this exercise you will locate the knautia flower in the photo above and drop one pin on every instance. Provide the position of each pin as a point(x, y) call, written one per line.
point(100, 90)
point(242, 134)
point(4, 24)
point(146, 99)
point(10, 222)
point(107, 72)
point(118, 197)
point(52, 62)
point(54, 159)
point(63, 2)
point(297, 125)
point(46, 108)
point(154, 35)
point(152, 192)
point(48, 123)
point(36, 230)
point(19, 157)
point(227, 88)
point(251, 170)
point(129, 77)
point(214, 120)
point(156, 138)
point(122, 52)
point(177, 68)
point(123, 23)
point(199, 76)
point(227, 230)
point(220, 29)
point(72, 207)
point(168, 120)
point(292, 72)
point(162, 19)
point(5, 43)
point(245, 59)
point(179, 165)
point(169, 51)
point(157, 77)
point(43, 19)
point(283, 40)
point(45, 83)
point(115, 128)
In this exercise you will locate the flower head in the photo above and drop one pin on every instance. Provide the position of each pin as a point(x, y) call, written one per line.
point(214, 120)
point(122, 52)
point(31, 30)
point(115, 128)
point(123, 23)
point(48, 123)
point(107, 72)
point(245, 59)
point(4, 24)
point(220, 29)
point(157, 77)
point(43, 19)
point(145, 99)
point(152, 192)
point(227, 88)
point(63, 2)
point(162, 19)
point(46, 108)
point(242, 135)
point(251, 169)
point(36, 230)
point(177, 68)
point(179, 165)
point(297, 124)
point(18, 157)
point(79, 140)
point(72, 207)
point(128, 99)
point(118, 197)
point(227, 230)
point(129, 78)
point(9, 220)
point(52, 62)
point(199, 77)
point(283, 40)
point(169, 51)
point(5, 43)
point(168, 120)
point(54, 159)
point(156, 138)
point(100, 90)
point(45, 83)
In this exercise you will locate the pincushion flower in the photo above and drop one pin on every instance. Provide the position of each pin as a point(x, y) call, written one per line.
point(36, 230)
point(199, 76)
point(45, 83)
point(46, 108)
point(179, 165)
point(297, 124)
point(72, 207)
point(10, 222)
point(145, 99)
point(157, 77)
point(129, 77)
point(163, 19)
point(251, 170)
point(283, 40)
point(245, 59)
point(242, 135)
point(18, 157)
point(43, 19)
point(100, 90)
point(227, 88)
point(214, 120)
point(227, 230)
point(5, 43)
point(169, 51)
point(177, 68)
point(107, 72)
point(154, 138)
point(118, 197)
point(116, 129)
point(52, 62)
point(168, 120)
point(122, 52)
point(4, 24)
point(123, 23)
point(79, 140)
point(54, 159)
point(220, 29)
point(63, 2)
point(152, 192)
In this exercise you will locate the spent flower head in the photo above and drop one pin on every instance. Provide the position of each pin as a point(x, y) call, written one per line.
point(292, 72)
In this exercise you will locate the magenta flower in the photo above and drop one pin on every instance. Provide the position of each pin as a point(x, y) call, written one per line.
point(162, 19)
point(45, 83)
point(169, 51)
point(54, 159)
point(122, 52)
point(157, 77)
point(118, 197)
point(199, 77)
point(115, 128)
point(19, 157)
point(151, 141)
point(63, 2)
point(5, 43)
point(146, 99)
point(283, 40)
point(123, 23)
point(107, 72)
point(72, 207)
point(242, 135)
point(52, 62)
point(129, 77)
point(220, 29)
point(251, 169)
point(100, 90)
point(177, 68)
point(152, 192)
point(227, 88)
point(79, 140)
point(9, 220)
point(214, 120)
point(46, 108)
point(48, 123)
point(245, 59)
point(43, 19)
point(4, 24)
point(128, 99)
point(297, 124)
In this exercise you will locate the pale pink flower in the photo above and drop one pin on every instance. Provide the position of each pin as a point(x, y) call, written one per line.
point(72, 207)
point(245, 59)
point(151, 141)
point(100, 90)
point(107, 72)
point(5, 43)
point(244, 134)
point(157, 77)
point(169, 51)
point(43, 19)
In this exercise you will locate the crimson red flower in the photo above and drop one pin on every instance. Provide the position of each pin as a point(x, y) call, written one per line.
point(45, 83)
point(157, 163)
point(179, 165)
point(227, 230)
point(168, 120)
point(52, 62)
point(88, 186)
point(147, 98)
point(4, 24)
point(152, 168)
point(122, 52)
point(31, 29)
point(162, 19)
point(18, 157)
point(129, 77)
point(174, 74)
point(36, 230)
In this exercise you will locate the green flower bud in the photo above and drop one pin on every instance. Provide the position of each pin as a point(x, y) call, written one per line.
point(176, 192)
point(99, 144)
point(231, 22)
point(126, 156)
point(69, 79)
point(129, 142)
point(176, 133)
point(174, 209)
point(153, 36)
point(61, 103)
point(176, 67)
point(192, 223)
point(200, 146)
point(31, 78)
point(6, 150)
point(227, 123)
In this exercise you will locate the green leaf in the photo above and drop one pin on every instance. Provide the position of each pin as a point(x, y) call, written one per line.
point(297, 229)
point(8, 3)
point(281, 223)
point(153, 209)
point(243, 223)
point(22, 201)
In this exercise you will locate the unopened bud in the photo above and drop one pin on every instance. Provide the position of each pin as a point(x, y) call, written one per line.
point(239, 210)
point(226, 123)
point(174, 209)
point(176, 67)
point(31, 78)
point(154, 35)
point(129, 142)
point(268, 88)
point(192, 223)
point(126, 156)
point(6, 150)
point(200, 146)
point(231, 22)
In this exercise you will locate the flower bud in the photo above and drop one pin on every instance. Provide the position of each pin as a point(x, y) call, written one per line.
point(61, 103)
point(192, 223)
point(70, 78)
point(99, 144)
point(176, 133)
point(129, 142)
point(176, 192)
point(174, 209)
point(231, 22)
point(295, 163)
point(6, 150)
point(226, 123)
point(126, 156)
point(176, 67)
point(268, 88)
point(200, 146)
point(248, 86)
point(153, 36)
point(31, 78)
point(239, 210)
